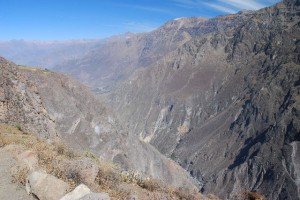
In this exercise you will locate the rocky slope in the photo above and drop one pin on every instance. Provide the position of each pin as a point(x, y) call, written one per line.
point(54, 105)
point(103, 68)
point(219, 96)
point(225, 105)
point(31, 168)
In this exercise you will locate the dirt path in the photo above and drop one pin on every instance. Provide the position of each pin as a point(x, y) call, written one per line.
point(9, 190)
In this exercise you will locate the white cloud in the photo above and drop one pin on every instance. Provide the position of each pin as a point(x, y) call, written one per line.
point(227, 6)
point(244, 4)
point(221, 8)
point(199, 4)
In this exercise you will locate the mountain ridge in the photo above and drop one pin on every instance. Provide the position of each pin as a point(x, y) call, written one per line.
point(225, 83)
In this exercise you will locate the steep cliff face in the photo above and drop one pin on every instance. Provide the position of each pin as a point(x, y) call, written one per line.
point(225, 104)
point(111, 64)
point(53, 105)
point(20, 102)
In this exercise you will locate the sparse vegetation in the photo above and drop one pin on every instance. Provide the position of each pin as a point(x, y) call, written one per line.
point(45, 71)
point(19, 174)
point(109, 177)
point(251, 196)
point(30, 68)
point(18, 126)
point(89, 154)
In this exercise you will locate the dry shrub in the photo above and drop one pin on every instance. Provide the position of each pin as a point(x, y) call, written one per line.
point(248, 196)
point(2, 144)
point(131, 177)
point(186, 194)
point(45, 155)
point(108, 178)
point(151, 185)
point(73, 178)
point(118, 193)
point(18, 126)
point(251, 196)
point(63, 149)
point(19, 174)
point(212, 197)
point(89, 154)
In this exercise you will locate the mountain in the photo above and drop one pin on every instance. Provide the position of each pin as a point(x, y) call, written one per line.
point(48, 54)
point(115, 61)
point(219, 96)
point(55, 106)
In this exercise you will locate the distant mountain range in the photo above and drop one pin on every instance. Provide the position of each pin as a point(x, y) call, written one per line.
point(48, 54)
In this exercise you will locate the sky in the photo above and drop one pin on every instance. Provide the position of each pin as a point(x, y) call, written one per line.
point(96, 19)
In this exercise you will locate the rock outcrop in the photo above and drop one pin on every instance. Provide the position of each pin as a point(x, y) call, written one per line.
point(45, 186)
point(20, 102)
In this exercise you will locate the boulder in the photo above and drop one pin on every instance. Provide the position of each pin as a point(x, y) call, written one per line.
point(45, 186)
point(79, 192)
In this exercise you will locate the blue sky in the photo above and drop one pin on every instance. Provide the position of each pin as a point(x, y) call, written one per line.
point(92, 19)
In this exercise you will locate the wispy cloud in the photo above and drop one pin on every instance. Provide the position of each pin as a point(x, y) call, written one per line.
point(221, 8)
point(226, 6)
point(245, 4)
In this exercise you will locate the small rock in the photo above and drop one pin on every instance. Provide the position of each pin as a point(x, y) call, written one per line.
point(96, 196)
point(45, 186)
point(77, 193)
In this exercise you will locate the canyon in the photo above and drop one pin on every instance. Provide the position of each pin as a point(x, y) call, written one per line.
point(218, 98)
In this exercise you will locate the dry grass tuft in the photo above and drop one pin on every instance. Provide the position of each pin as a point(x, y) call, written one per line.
point(152, 185)
point(246, 195)
point(185, 194)
point(108, 178)
point(19, 174)
point(89, 154)
point(212, 197)
point(252, 196)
